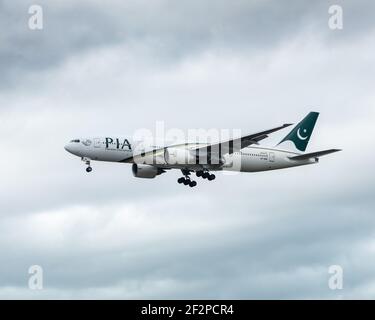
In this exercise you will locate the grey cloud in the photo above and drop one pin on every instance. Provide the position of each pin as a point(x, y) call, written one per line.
point(242, 261)
point(165, 30)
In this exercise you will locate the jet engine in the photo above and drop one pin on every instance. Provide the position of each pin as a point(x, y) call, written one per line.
point(145, 171)
point(178, 156)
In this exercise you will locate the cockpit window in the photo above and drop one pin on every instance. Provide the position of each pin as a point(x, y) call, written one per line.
point(75, 141)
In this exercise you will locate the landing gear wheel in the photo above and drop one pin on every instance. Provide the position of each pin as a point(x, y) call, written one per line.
point(192, 184)
point(211, 177)
point(181, 180)
point(199, 173)
point(205, 175)
point(88, 169)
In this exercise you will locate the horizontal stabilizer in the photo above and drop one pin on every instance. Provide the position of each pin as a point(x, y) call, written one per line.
point(314, 154)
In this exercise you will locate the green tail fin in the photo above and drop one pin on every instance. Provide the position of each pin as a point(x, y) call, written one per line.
point(301, 133)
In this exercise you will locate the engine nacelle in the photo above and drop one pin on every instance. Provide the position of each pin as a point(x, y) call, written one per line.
point(145, 171)
point(178, 156)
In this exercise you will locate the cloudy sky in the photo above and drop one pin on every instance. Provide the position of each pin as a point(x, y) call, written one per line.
point(112, 67)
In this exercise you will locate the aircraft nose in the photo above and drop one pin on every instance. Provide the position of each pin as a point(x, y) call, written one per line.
point(68, 148)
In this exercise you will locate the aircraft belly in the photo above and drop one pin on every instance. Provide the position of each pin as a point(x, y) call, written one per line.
point(254, 165)
point(109, 155)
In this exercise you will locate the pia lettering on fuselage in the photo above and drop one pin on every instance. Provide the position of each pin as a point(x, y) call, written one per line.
point(116, 143)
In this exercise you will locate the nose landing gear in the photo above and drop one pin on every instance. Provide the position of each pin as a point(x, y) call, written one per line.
point(87, 162)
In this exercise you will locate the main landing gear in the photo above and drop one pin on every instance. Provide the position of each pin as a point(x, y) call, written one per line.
point(87, 162)
point(186, 179)
point(205, 175)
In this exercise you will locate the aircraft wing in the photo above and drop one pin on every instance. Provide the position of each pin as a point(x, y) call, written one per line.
point(235, 145)
point(313, 154)
point(212, 153)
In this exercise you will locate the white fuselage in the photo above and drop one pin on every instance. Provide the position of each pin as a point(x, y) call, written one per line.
point(250, 159)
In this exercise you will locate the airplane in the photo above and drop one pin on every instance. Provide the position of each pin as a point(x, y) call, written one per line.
point(242, 154)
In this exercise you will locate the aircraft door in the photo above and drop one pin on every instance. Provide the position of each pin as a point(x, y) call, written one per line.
point(272, 157)
point(97, 142)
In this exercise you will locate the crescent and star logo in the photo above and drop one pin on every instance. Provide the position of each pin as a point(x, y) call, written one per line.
point(300, 136)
